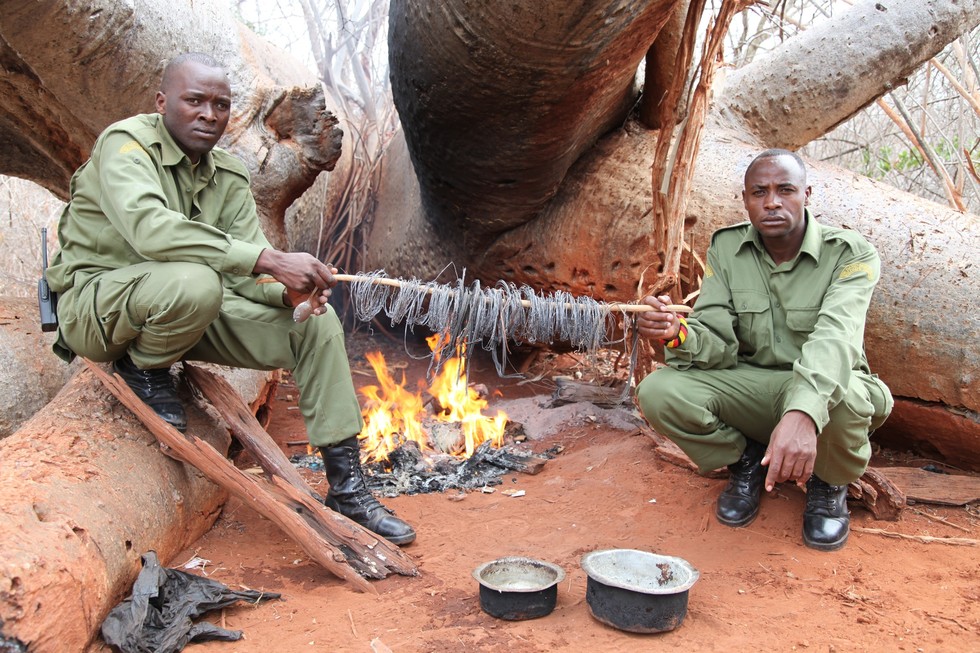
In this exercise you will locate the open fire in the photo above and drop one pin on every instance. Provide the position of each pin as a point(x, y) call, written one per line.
point(394, 415)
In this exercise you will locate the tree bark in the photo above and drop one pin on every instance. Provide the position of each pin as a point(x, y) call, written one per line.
point(825, 75)
point(30, 374)
point(84, 491)
point(497, 104)
point(72, 67)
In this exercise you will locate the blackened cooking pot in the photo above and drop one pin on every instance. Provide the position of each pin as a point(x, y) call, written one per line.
point(637, 591)
point(518, 588)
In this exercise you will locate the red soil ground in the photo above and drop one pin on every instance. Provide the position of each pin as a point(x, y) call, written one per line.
point(760, 587)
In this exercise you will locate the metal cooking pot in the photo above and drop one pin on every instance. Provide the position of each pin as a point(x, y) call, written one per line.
point(517, 588)
point(637, 591)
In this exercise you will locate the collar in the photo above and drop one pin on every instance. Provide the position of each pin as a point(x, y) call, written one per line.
point(171, 154)
point(812, 238)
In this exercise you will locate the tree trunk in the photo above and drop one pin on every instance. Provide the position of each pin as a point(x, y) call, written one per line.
point(84, 491)
point(825, 75)
point(72, 67)
point(30, 373)
point(497, 101)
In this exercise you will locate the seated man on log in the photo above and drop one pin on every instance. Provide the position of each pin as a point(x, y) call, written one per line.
point(160, 251)
point(769, 375)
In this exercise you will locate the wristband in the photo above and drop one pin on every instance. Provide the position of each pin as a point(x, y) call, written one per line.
point(681, 336)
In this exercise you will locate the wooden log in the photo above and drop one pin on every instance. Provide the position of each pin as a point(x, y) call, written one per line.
point(569, 391)
point(255, 492)
point(930, 487)
point(878, 494)
point(370, 555)
point(245, 427)
point(84, 492)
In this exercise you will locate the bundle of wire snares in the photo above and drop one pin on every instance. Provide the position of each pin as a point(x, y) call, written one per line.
point(493, 316)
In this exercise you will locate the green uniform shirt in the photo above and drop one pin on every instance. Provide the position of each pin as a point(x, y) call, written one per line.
point(139, 198)
point(806, 315)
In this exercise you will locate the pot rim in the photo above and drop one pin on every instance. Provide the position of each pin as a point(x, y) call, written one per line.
point(590, 567)
point(558, 571)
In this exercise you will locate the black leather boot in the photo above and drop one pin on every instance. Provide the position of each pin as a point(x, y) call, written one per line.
point(350, 496)
point(738, 504)
point(156, 389)
point(826, 520)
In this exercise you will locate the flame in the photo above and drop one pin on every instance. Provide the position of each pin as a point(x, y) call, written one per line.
point(393, 414)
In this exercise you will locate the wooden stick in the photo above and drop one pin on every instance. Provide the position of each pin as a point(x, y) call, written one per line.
point(925, 539)
point(370, 555)
point(253, 492)
point(398, 283)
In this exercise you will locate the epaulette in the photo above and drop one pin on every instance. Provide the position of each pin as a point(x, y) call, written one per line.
point(849, 237)
point(230, 162)
point(741, 227)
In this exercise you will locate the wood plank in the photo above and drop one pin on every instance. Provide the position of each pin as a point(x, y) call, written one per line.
point(930, 487)
point(371, 555)
point(255, 492)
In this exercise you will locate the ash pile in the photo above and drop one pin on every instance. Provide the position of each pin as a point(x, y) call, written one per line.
point(410, 471)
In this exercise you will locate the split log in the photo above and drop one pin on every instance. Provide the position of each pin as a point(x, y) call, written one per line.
point(568, 391)
point(259, 494)
point(246, 428)
point(878, 494)
point(370, 555)
point(84, 492)
point(929, 487)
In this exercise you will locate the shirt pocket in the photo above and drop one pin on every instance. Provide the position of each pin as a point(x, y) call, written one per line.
point(800, 321)
point(754, 317)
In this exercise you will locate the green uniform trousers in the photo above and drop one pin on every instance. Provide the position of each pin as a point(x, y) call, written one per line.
point(709, 413)
point(160, 313)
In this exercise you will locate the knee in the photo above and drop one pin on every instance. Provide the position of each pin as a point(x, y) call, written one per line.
point(192, 289)
point(656, 393)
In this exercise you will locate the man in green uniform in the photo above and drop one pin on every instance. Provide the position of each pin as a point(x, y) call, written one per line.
point(160, 251)
point(769, 375)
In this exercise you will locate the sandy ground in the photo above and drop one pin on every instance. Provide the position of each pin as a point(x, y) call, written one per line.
point(759, 589)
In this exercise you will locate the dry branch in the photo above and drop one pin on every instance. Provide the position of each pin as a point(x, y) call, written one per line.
point(370, 555)
point(252, 491)
point(924, 539)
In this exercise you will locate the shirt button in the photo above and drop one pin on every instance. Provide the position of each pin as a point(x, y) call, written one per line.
point(777, 305)
point(234, 270)
point(778, 339)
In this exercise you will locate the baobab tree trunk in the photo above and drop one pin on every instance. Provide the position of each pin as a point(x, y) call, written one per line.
point(822, 77)
point(84, 491)
point(72, 67)
point(594, 234)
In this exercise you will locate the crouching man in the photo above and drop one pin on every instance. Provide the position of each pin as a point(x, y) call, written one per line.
point(768, 376)
point(160, 251)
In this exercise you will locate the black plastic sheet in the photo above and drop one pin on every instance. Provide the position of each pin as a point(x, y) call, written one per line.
point(158, 617)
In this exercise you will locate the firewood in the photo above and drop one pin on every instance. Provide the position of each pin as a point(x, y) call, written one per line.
point(257, 493)
point(370, 555)
point(568, 391)
point(878, 495)
point(929, 487)
point(246, 428)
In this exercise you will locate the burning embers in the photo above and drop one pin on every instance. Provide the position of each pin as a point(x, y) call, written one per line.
point(437, 438)
point(456, 424)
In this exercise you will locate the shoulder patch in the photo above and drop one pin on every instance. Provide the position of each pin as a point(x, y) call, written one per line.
point(129, 146)
point(857, 268)
point(708, 271)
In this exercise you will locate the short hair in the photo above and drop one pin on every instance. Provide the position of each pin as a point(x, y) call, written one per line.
point(774, 152)
point(181, 59)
